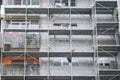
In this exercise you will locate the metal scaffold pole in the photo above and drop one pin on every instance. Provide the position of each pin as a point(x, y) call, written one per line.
point(96, 48)
point(95, 41)
point(2, 49)
point(118, 4)
point(25, 44)
point(48, 76)
point(71, 51)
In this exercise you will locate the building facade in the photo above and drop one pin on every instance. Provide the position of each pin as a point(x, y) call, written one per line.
point(60, 40)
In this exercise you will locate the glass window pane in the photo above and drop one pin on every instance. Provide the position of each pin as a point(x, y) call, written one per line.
point(65, 2)
point(57, 24)
point(35, 2)
point(15, 23)
point(72, 2)
point(17, 2)
point(8, 21)
point(24, 2)
point(57, 1)
point(34, 21)
point(18, 20)
point(9, 2)
point(52, 2)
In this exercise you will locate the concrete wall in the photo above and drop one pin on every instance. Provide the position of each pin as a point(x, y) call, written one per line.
point(84, 67)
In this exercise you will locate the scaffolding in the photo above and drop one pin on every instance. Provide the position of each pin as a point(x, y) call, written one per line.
point(29, 49)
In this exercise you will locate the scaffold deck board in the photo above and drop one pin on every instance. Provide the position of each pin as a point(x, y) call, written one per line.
point(109, 72)
point(59, 54)
point(107, 25)
point(109, 48)
point(106, 31)
point(109, 3)
point(104, 10)
point(55, 31)
point(105, 7)
point(48, 10)
point(108, 77)
point(48, 78)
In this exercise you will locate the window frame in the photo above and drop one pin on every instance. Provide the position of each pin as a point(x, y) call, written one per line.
point(62, 25)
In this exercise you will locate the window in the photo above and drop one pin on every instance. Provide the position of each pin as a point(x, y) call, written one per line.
point(74, 25)
point(34, 22)
point(63, 2)
point(22, 2)
point(8, 21)
point(35, 2)
point(56, 1)
point(22, 23)
point(28, 2)
point(107, 64)
point(9, 2)
point(65, 25)
point(51, 2)
point(17, 2)
point(18, 20)
point(61, 25)
point(31, 2)
point(72, 2)
point(15, 23)
point(57, 24)
point(104, 64)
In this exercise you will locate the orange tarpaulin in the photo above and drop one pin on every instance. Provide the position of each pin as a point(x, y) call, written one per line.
point(8, 60)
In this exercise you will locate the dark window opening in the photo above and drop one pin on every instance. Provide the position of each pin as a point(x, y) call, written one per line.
point(17, 2)
point(72, 2)
point(100, 63)
point(104, 64)
point(107, 64)
point(65, 2)
point(24, 2)
point(57, 24)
